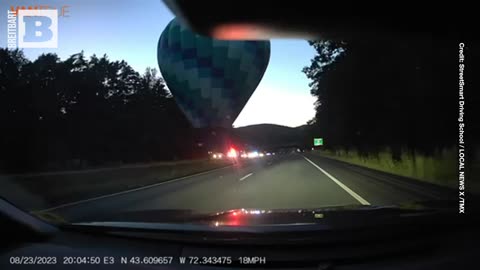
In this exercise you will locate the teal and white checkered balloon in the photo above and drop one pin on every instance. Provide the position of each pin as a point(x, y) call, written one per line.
point(211, 80)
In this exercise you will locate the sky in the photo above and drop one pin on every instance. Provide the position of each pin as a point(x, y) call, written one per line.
point(128, 30)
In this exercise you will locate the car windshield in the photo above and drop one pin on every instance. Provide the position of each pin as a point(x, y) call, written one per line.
point(108, 109)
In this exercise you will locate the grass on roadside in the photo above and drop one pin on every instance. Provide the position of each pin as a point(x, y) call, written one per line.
point(45, 190)
point(441, 168)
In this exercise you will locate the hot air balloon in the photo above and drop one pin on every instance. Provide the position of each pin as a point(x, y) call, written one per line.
point(211, 80)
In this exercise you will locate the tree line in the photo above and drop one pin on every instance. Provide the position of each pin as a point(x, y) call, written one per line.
point(395, 93)
point(83, 112)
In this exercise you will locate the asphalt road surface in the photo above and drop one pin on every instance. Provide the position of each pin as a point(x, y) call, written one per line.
point(295, 180)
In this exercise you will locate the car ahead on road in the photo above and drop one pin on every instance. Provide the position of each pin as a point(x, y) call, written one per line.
point(217, 155)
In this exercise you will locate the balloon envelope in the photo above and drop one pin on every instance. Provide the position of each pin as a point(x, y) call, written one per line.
point(211, 80)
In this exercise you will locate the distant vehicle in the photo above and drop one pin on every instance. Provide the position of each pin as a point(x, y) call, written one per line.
point(217, 155)
point(232, 153)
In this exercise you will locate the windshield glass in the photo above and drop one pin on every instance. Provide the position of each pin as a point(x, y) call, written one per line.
point(111, 110)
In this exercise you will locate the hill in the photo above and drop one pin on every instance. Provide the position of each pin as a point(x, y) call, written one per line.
point(270, 135)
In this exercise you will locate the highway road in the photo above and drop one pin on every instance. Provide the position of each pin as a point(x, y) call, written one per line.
point(295, 180)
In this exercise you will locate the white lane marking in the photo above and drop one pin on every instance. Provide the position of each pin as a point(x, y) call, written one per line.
point(245, 177)
point(128, 191)
point(347, 189)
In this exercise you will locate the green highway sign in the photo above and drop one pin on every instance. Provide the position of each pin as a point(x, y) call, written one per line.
point(317, 141)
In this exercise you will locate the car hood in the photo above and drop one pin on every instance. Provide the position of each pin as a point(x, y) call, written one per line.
point(336, 216)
